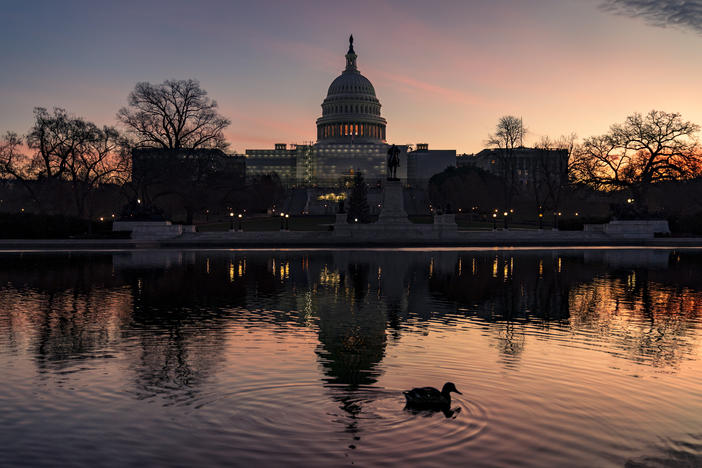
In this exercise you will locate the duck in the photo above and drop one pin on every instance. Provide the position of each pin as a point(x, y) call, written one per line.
point(429, 397)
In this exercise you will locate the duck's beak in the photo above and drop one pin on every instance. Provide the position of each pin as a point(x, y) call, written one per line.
point(458, 392)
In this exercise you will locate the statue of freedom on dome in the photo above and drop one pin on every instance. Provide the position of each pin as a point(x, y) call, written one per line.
point(393, 162)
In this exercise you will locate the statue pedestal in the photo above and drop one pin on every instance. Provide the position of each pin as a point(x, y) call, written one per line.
point(393, 209)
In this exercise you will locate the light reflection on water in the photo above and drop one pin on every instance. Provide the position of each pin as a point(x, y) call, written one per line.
point(565, 357)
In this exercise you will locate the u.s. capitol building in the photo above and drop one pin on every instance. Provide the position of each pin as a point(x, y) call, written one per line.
point(351, 138)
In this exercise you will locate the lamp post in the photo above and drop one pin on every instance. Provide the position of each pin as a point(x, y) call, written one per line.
point(282, 221)
point(555, 220)
point(241, 229)
point(541, 221)
point(287, 222)
point(505, 214)
point(494, 221)
point(231, 221)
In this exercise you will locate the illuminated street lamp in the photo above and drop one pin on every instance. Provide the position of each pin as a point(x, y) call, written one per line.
point(555, 220)
point(287, 223)
point(494, 221)
point(541, 220)
point(240, 219)
point(505, 214)
point(231, 221)
point(282, 221)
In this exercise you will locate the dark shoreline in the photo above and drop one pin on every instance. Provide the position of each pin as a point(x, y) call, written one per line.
point(175, 244)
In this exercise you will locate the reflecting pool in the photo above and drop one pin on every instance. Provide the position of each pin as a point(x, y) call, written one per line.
point(569, 357)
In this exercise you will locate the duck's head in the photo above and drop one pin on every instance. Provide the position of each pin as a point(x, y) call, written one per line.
point(450, 387)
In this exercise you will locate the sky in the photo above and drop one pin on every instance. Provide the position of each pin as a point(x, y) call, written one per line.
point(444, 71)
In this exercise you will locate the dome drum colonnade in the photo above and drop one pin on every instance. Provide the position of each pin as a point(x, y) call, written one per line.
point(351, 110)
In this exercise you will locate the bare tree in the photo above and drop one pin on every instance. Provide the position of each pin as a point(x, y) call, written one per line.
point(66, 153)
point(176, 114)
point(645, 149)
point(15, 164)
point(509, 134)
point(102, 159)
point(550, 171)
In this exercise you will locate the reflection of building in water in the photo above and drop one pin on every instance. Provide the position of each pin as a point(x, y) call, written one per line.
point(649, 258)
point(161, 258)
point(640, 315)
point(63, 304)
point(351, 328)
point(172, 309)
point(502, 285)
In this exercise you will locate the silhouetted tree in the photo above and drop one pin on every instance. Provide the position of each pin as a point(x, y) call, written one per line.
point(197, 179)
point(260, 193)
point(67, 153)
point(358, 201)
point(464, 188)
point(176, 114)
point(643, 150)
point(548, 176)
point(509, 134)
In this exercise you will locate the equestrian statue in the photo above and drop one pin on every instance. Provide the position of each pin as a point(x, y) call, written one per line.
point(393, 162)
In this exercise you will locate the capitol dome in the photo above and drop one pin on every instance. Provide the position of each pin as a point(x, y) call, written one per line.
point(351, 111)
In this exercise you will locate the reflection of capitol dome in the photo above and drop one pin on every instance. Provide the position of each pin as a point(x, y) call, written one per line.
point(351, 111)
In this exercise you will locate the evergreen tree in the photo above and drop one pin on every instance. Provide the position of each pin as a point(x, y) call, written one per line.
point(358, 202)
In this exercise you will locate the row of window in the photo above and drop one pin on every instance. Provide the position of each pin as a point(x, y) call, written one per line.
point(352, 129)
point(351, 108)
point(354, 89)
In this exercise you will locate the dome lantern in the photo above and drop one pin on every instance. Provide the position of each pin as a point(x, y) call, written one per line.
point(351, 110)
point(351, 57)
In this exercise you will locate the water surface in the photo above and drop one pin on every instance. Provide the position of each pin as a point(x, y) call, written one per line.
point(298, 358)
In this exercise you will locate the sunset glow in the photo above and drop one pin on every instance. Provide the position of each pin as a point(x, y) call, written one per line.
point(444, 75)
